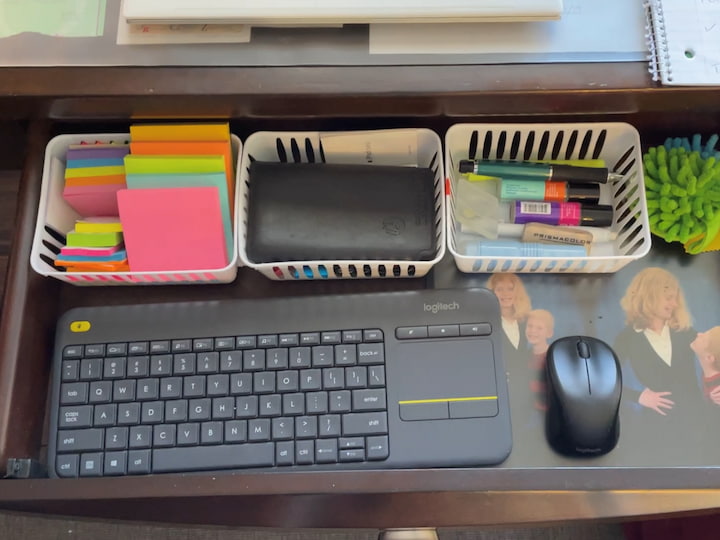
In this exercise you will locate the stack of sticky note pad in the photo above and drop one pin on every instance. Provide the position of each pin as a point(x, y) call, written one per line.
point(94, 173)
point(95, 245)
point(176, 212)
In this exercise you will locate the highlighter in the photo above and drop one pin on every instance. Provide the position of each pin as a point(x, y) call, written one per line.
point(532, 190)
point(561, 213)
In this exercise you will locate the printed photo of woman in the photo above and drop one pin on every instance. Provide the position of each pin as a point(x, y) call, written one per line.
point(514, 307)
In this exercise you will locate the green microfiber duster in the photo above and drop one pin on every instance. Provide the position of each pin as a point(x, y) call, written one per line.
point(682, 185)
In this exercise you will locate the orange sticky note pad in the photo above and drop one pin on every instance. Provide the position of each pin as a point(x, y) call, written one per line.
point(95, 180)
point(172, 229)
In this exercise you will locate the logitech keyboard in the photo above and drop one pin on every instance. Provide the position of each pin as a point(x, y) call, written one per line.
point(381, 380)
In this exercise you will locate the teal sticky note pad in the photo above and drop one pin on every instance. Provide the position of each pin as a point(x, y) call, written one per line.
point(218, 180)
point(82, 163)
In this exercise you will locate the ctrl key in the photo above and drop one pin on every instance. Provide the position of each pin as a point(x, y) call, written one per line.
point(67, 466)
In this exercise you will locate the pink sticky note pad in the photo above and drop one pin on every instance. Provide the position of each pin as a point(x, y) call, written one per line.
point(93, 203)
point(172, 229)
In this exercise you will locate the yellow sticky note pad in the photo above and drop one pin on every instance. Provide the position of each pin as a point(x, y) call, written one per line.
point(180, 132)
point(98, 225)
point(94, 171)
point(144, 164)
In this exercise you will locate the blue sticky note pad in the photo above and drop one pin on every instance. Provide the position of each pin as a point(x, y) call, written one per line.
point(83, 163)
point(218, 180)
point(119, 255)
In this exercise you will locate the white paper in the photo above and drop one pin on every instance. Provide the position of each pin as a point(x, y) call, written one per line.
point(395, 147)
point(587, 26)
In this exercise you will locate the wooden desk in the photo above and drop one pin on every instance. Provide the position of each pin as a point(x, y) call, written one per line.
point(63, 100)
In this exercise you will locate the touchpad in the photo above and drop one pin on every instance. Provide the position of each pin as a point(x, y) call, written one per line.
point(446, 378)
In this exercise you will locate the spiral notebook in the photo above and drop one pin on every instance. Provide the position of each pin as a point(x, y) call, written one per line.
point(684, 41)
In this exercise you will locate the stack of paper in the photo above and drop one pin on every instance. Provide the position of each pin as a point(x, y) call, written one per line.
point(94, 245)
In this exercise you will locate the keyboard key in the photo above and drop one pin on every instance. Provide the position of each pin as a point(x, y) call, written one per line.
point(128, 413)
point(78, 416)
point(137, 348)
point(322, 356)
point(377, 448)
point(91, 464)
point(368, 400)
point(95, 350)
point(66, 466)
point(376, 376)
point(282, 428)
point(231, 361)
point(299, 357)
point(316, 402)
point(124, 390)
point(411, 332)
point(333, 378)
point(259, 430)
point(223, 408)
point(373, 335)
point(101, 392)
point(194, 386)
point(326, 451)
point(236, 431)
point(374, 423)
point(211, 433)
point(159, 347)
point(73, 351)
point(202, 345)
point(246, 342)
point(171, 387)
point(270, 405)
point(117, 349)
point(152, 412)
point(80, 440)
point(346, 443)
point(218, 385)
point(329, 425)
point(475, 329)
point(285, 453)
point(356, 377)
point(304, 452)
point(116, 438)
point(176, 410)
point(73, 393)
point(254, 360)
point(199, 409)
point(370, 353)
point(114, 368)
point(188, 434)
point(70, 370)
point(138, 462)
point(293, 404)
point(287, 381)
point(184, 364)
point(105, 415)
point(443, 330)
point(213, 457)
point(240, 384)
point(140, 436)
point(138, 366)
point(161, 365)
point(164, 435)
point(246, 407)
point(115, 463)
point(352, 336)
point(356, 454)
point(267, 341)
point(263, 382)
point(147, 389)
point(208, 362)
point(91, 369)
point(289, 340)
point(310, 338)
point(311, 379)
point(276, 359)
point(340, 401)
point(330, 338)
point(306, 427)
point(345, 355)
point(181, 345)
point(224, 343)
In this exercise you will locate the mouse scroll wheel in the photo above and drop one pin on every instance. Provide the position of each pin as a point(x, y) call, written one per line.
point(583, 349)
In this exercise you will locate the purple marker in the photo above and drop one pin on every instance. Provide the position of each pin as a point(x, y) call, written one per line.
point(561, 213)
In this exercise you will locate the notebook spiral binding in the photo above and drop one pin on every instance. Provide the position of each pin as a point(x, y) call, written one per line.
point(656, 38)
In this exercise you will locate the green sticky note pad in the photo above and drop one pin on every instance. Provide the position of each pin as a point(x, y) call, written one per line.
point(217, 179)
point(110, 239)
point(149, 164)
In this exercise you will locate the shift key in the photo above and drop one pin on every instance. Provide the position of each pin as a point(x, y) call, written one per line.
point(80, 440)
point(365, 424)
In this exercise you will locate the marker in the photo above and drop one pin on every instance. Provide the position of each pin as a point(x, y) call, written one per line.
point(528, 170)
point(533, 190)
point(561, 213)
point(513, 248)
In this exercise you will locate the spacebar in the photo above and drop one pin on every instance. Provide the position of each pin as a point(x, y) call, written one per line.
point(206, 458)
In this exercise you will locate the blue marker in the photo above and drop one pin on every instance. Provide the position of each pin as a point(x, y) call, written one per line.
point(513, 248)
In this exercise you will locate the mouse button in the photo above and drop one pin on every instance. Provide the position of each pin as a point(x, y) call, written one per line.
point(583, 349)
point(568, 374)
point(603, 373)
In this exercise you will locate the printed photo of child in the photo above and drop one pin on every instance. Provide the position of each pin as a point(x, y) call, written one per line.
point(514, 307)
point(539, 330)
point(707, 348)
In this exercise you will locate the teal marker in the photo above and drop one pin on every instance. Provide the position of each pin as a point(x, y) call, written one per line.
point(529, 170)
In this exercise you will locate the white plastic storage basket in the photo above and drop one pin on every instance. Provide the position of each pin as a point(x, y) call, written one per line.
point(618, 144)
point(56, 218)
point(304, 147)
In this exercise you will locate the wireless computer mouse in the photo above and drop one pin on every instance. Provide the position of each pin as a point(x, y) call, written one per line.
point(584, 385)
